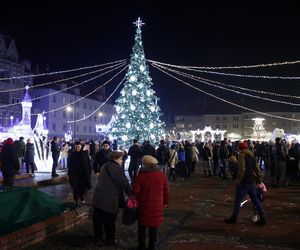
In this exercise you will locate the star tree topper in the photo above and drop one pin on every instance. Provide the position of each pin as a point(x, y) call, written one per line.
point(139, 23)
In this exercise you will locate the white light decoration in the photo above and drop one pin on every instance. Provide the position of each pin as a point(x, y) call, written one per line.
point(132, 79)
point(142, 115)
point(142, 99)
point(142, 68)
point(132, 107)
point(124, 138)
point(151, 125)
point(148, 93)
point(128, 125)
point(134, 92)
point(140, 85)
point(136, 55)
point(118, 109)
point(123, 116)
point(123, 93)
point(152, 137)
point(152, 108)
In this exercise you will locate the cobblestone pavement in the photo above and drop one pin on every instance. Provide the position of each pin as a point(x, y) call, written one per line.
point(194, 220)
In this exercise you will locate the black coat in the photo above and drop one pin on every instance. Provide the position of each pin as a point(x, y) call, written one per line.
point(79, 170)
point(10, 161)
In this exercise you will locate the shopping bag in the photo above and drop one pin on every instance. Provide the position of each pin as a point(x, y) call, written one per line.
point(130, 211)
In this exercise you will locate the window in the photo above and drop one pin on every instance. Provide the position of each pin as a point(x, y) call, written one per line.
point(95, 118)
point(217, 118)
point(235, 118)
point(64, 114)
point(224, 125)
point(294, 124)
point(54, 98)
point(235, 126)
point(64, 100)
point(77, 128)
point(224, 118)
point(54, 113)
point(84, 105)
point(84, 129)
point(90, 129)
point(217, 126)
point(54, 126)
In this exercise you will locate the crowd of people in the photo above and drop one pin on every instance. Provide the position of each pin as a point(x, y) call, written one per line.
point(150, 171)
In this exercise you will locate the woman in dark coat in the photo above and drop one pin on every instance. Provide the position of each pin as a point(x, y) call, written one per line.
point(152, 191)
point(29, 157)
point(112, 182)
point(79, 172)
point(10, 163)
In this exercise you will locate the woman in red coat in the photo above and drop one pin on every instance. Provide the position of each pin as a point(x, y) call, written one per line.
point(152, 191)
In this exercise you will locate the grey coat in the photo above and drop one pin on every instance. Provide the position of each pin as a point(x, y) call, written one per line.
point(106, 195)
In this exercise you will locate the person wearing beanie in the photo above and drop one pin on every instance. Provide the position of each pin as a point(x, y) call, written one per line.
point(247, 177)
point(151, 190)
point(10, 163)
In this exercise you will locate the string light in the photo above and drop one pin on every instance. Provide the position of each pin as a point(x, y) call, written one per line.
point(61, 72)
point(254, 90)
point(197, 69)
point(71, 103)
point(223, 100)
point(95, 111)
point(229, 67)
point(61, 80)
point(203, 80)
point(65, 89)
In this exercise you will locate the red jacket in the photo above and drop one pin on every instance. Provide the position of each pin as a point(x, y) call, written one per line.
point(152, 191)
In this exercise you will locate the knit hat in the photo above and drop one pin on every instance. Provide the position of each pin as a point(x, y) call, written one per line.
point(243, 145)
point(9, 141)
point(149, 160)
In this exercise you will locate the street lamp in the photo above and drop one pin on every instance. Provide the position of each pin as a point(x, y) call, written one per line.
point(100, 115)
point(69, 109)
point(11, 120)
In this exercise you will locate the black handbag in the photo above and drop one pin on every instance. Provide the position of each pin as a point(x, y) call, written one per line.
point(130, 211)
point(122, 195)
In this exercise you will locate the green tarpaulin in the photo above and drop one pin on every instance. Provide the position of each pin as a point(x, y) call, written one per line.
point(24, 206)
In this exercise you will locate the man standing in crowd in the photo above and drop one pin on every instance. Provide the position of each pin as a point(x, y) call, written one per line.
point(19, 146)
point(102, 157)
point(55, 155)
point(135, 157)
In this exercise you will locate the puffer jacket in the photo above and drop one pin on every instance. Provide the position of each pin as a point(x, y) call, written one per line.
point(152, 191)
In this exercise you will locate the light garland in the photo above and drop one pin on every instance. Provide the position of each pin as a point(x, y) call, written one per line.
point(70, 87)
point(190, 68)
point(61, 80)
point(229, 67)
point(256, 91)
point(223, 100)
point(71, 103)
point(96, 110)
point(63, 71)
point(203, 80)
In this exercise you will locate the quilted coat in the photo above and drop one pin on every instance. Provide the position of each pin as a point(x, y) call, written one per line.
point(152, 192)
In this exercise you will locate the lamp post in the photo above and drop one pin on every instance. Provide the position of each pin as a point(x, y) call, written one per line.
point(69, 110)
point(11, 121)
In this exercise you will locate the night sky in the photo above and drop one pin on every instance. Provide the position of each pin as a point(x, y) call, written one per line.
point(66, 34)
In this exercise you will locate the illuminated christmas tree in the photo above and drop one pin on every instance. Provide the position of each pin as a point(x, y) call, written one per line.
point(137, 113)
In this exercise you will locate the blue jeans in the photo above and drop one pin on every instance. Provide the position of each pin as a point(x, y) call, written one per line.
point(241, 190)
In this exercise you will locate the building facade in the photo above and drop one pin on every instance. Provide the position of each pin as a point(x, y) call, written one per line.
point(12, 89)
point(62, 107)
point(240, 124)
